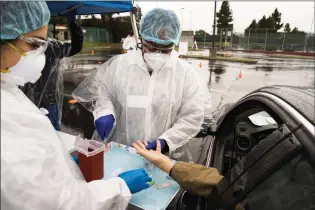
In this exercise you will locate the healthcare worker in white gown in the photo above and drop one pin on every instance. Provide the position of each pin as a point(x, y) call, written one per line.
point(36, 171)
point(150, 94)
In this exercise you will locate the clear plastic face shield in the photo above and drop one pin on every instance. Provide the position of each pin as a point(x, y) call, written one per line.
point(38, 47)
point(31, 63)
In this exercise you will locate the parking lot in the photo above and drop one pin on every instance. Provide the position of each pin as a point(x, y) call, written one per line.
point(227, 81)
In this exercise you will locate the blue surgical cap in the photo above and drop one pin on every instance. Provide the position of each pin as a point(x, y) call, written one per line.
point(160, 26)
point(21, 17)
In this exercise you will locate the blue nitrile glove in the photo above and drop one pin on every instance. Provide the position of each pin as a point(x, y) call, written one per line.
point(136, 180)
point(104, 125)
point(152, 145)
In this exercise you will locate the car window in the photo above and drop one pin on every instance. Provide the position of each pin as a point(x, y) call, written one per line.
point(292, 187)
point(249, 130)
point(266, 158)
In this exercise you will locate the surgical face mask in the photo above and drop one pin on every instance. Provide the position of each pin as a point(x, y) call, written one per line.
point(29, 67)
point(156, 60)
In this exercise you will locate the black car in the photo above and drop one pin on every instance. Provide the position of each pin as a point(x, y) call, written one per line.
point(264, 146)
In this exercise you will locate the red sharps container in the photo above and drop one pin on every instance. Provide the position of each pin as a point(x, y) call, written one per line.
point(91, 159)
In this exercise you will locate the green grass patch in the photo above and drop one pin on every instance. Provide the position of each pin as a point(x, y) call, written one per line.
point(291, 56)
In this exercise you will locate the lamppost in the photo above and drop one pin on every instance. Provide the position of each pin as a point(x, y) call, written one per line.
point(182, 18)
point(191, 22)
point(305, 43)
point(214, 22)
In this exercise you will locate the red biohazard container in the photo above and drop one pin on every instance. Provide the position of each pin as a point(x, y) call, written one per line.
point(91, 159)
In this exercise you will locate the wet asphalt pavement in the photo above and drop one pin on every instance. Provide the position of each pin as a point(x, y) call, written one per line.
point(225, 85)
point(222, 78)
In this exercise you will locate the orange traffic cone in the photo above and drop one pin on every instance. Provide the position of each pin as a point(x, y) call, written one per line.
point(240, 75)
point(200, 65)
point(92, 52)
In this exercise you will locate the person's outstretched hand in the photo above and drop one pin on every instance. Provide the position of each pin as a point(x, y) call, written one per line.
point(155, 157)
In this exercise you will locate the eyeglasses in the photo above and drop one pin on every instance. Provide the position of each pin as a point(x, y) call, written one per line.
point(35, 42)
point(147, 47)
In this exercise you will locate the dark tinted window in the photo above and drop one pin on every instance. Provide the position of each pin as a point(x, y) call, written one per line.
point(292, 187)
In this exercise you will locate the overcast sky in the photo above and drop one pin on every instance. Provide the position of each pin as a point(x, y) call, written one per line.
point(298, 14)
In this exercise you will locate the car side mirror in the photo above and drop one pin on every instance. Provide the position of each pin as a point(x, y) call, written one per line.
point(209, 129)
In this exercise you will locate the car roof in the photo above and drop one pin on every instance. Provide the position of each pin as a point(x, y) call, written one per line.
point(300, 98)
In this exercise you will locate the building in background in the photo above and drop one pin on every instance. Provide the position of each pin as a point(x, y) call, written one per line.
point(62, 32)
point(187, 36)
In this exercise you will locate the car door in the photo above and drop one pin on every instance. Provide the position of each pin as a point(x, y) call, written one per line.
point(236, 123)
point(268, 175)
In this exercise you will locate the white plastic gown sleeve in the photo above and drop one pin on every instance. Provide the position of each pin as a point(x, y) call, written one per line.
point(95, 94)
point(191, 113)
point(36, 170)
point(169, 103)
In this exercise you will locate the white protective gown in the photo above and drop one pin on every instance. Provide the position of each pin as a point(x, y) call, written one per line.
point(168, 105)
point(36, 171)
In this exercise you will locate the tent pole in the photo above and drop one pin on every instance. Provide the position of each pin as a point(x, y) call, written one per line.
point(134, 26)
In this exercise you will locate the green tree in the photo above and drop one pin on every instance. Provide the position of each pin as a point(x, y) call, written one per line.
point(263, 23)
point(252, 25)
point(276, 16)
point(224, 16)
point(57, 20)
point(201, 33)
point(295, 30)
point(271, 25)
point(287, 28)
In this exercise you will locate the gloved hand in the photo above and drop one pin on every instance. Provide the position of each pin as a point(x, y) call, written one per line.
point(152, 145)
point(104, 125)
point(71, 15)
point(136, 180)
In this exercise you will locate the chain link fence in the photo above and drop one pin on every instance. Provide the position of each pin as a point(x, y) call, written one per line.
point(266, 39)
point(97, 35)
point(91, 34)
point(257, 39)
